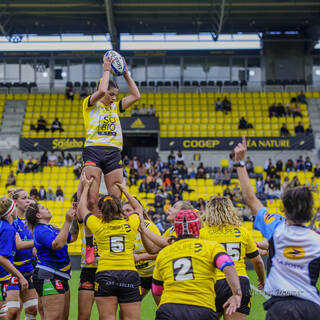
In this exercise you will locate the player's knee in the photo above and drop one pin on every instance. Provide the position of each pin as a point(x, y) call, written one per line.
point(32, 311)
point(92, 203)
point(31, 307)
point(12, 312)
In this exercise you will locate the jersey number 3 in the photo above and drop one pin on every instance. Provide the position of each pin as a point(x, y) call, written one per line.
point(116, 244)
point(183, 269)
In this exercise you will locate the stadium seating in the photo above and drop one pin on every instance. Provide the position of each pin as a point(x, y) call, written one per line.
point(180, 114)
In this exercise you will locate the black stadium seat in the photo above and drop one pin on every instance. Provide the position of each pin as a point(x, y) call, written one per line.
point(167, 83)
point(203, 83)
point(211, 83)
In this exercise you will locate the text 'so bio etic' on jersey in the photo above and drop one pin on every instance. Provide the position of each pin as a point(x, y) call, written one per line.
point(145, 267)
point(7, 246)
point(188, 273)
point(295, 257)
point(115, 240)
point(23, 258)
point(54, 261)
point(238, 243)
point(83, 249)
point(102, 124)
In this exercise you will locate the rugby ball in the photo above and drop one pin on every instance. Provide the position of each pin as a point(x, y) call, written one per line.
point(117, 65)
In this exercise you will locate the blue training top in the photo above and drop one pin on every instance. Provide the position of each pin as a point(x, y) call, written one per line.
point(7, 246)
point(23, 258)
point(55, 261)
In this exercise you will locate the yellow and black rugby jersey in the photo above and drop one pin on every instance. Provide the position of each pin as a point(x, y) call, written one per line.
point(115, 240)
point(83, 248)
point(145, 267)
point(170, 232)
point(102, 124)
point(187, 270)
point(237, 241)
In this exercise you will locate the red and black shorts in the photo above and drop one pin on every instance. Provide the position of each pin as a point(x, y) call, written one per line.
point(223, 293)
point(175, 311)
point(14, 283)
point(123, 284)
point(3, 289)
point(87, 279)
point(105, 158)
point(47, 283)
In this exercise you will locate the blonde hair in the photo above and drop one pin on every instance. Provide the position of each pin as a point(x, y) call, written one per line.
point(5, 203)
point(185, 205)
point(221, 212)
point(14, 193)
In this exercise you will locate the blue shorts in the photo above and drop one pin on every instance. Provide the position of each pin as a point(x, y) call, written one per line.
point(14, 283)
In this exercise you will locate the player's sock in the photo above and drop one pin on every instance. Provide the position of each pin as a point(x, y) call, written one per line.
point(90, 259)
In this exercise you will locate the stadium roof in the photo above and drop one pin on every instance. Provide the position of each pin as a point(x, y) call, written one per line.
point(151, 16)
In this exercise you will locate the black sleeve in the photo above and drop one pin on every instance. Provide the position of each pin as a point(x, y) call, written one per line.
point(157, 282)
point(89, 103)
point(120, 107)
point(252, 254)
point(86, 218)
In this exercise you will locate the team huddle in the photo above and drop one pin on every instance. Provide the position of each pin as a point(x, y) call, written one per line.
point(195, 270)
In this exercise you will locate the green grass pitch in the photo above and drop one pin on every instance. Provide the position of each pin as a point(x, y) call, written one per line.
point(148, 307)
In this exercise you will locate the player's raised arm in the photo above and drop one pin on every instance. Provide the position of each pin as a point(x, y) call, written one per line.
point(136, 206)
point(134, 91)
point(104, 83)
point(83, 210)
point(248, 193)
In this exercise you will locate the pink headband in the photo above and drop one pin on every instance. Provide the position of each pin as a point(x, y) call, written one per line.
point(9, 212)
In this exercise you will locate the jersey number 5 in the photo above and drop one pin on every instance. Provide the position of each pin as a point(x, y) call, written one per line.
point(183, 269)
point(233, 250)
point(116, 244)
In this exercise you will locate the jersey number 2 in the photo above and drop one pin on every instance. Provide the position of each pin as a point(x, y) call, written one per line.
point(117, 244)
point(183, 269)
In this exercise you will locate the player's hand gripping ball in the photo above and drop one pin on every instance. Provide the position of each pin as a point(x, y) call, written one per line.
point(118, 65)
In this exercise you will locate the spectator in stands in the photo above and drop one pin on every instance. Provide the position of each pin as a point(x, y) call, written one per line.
point(259, 185)
point(143, 111)
point(29, 166)
point(166, 178)
point(288, 110)
point(1, 160)
point(59, 194)
point(44, 159)
point(290, 165)
point(11, 180)
point(316, 171)
point(143, 185)
point(226, 105)
point(279, 166)
point(50, 194)
point(42, 193)
point(299, 129)
point(21, 166)
point(69, 93)
point(151, 111)
point(180, 158)
point(296, 111)
point(284, 132)
point(273, 110)
point(218, 176)
point(68, 160)
point(159, 165)
point(148, 164)
point(218, 105)
point(226, 178)
point(249, 165)
point(34, 193)
point(174, 171)
point(184, 172)
point(42, 125)
point(142, 170)
point(312, 185)
point(192, 171)
point(36, 167)
point(56, 125)
point(171, 158)
point(268, 163)
point(201, 205)
point(300, 164)
point(201, 171)
point(285, 184)
point(184, 185)
point(280, 110)
point(309, 131)
point(52, 159)
point(243, 124)
point(135, 111)
point(77, 168)
point(302, 98)
point(228, 193)
point(7, 161)
point(308, 164)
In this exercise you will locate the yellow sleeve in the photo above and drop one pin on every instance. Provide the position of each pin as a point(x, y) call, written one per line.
point(117, 103)
point(92, 222)
point(134, 222)
point(152, 227)
point(156, 272)
point(251, 246)
point(85, 103)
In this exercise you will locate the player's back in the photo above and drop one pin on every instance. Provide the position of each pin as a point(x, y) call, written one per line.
point(237, 241)
point(187, 271)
